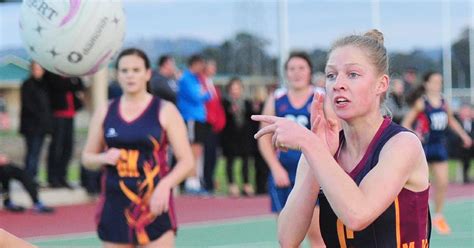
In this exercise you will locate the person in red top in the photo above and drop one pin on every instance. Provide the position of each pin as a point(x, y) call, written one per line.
point(215, 117)
point(65, 98)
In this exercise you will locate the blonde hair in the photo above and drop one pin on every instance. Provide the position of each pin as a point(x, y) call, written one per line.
point(372, 42)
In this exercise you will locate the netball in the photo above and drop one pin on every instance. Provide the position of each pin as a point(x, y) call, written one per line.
point(72, 37)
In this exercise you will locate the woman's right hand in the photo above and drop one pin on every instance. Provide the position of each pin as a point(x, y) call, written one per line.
point(111, 156)
point(281, 178)
point(324, 126)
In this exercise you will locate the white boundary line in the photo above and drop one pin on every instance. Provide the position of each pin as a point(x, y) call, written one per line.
point(192, 225)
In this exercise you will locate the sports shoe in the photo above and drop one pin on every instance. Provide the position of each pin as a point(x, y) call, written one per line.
point(13, 207)
point(42, 209)
point(441, 226)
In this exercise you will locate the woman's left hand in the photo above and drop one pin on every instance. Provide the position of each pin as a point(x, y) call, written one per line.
point(286, 134)
point(159, 202)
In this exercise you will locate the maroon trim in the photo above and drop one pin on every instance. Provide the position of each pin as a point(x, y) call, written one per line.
point(413, 207)
point(136, 118)
point(386, 122)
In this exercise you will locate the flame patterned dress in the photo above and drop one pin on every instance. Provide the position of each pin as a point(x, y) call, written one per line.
point(124, 214)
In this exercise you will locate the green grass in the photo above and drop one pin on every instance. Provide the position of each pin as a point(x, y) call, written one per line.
point(221, 179)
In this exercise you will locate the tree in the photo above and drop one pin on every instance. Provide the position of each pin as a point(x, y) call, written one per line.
point(244, 54)
point(460, 61)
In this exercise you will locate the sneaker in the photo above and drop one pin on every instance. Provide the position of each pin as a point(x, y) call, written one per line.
point(248, 190)
point(441, 226)
point(234, 190)
point(42, 209)
point(13, 208)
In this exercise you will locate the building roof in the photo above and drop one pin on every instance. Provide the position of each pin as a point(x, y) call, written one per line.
point(13, 70)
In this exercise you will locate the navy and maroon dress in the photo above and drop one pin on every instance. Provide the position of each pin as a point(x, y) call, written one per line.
point(124, 214)
point(405, 223)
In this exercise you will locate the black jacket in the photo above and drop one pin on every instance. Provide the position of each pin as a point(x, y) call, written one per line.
point(58, 88)
point(35, 117)
point(163, 87)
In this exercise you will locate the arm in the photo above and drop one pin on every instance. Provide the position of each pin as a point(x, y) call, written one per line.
point(192, 91)
point(410, 117)
point(456, 127)
point(175, 128)
point(295, 218)
point(359, 206)
point(268, 152)
point(93, 155)
point(173, 124)
point(9, 240)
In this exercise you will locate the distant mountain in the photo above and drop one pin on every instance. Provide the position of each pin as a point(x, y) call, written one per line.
point(434, 54)
point(154, 47)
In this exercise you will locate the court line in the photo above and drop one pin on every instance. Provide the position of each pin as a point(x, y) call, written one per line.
point(193, 225)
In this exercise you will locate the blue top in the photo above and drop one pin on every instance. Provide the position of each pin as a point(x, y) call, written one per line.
point(438, 122)
point(191, 99)
point(283, 108)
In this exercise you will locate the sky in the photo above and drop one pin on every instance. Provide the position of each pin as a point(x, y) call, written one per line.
point(406, 24)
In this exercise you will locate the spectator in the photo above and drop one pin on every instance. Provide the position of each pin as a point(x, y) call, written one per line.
point(163, 82)
point(215, 117)
point(66, 96)
point(234, 136)
point(191, 101)
point(396, 102)
point(466, 119)
point(261, 168)
point(9, 171)
point(36, 120)
point(409, 80)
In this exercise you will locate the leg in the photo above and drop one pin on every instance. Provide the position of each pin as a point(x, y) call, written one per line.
point(27, 182)
point(166, 240)
point(5, 176)
point(248, 188)
point(54, 153)
point(440, 176)
point(115, 245)
point(261, 174)
point(67, 142)
point(466, 162)
point(34, 143)
point(233, 188)
point(314, 233)
point(210, 159)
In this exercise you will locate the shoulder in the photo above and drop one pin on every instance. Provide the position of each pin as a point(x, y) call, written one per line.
point(279, 93)
point(403, 145)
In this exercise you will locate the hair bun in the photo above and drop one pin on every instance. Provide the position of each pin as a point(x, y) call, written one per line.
point(376, 35)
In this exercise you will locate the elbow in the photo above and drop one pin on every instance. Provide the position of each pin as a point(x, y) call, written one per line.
point(356, 222)
point(286, 242)
point(286, 237)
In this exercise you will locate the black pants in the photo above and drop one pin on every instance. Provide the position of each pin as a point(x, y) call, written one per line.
point(60, 149)
point(230, 165)
point(210, 160)
point(465, 156)
point(261, 174)
point(34, 143)
point(11, 171)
